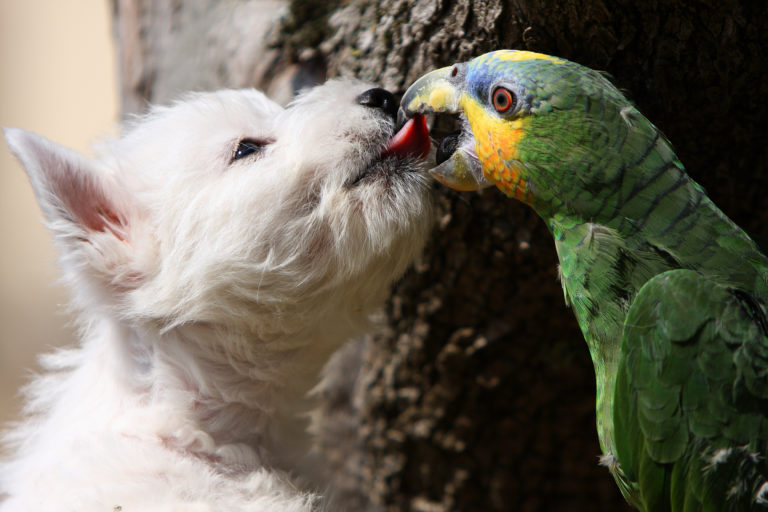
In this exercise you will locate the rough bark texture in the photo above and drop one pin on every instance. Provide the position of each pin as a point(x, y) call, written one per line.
point(479, 395)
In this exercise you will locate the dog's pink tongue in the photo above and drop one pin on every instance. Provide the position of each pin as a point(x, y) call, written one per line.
point(412, 139)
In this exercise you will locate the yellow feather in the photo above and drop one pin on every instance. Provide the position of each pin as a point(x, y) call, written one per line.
point(496, 141)
point(518, 55)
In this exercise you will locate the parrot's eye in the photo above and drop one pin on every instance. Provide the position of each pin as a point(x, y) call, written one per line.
point(250, 146)
point(503, 99)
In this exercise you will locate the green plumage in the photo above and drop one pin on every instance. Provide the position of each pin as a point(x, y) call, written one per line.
point(669, 293)
point(690, 397)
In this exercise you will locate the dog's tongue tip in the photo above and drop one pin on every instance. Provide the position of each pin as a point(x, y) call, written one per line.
point(412, 139)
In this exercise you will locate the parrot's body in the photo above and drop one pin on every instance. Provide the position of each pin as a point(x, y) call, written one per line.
point(669, 293)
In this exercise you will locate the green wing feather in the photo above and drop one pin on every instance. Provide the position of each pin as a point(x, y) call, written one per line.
point(691, 396)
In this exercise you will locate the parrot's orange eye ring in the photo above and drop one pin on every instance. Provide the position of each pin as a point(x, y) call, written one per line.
point(503, 100)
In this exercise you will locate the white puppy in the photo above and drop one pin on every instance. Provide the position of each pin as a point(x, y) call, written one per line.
point(219, 253)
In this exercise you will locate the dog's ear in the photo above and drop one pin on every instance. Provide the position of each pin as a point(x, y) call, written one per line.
point(66, 185)
point(83, 205)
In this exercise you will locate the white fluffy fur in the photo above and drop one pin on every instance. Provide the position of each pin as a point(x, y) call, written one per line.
point(211, 292)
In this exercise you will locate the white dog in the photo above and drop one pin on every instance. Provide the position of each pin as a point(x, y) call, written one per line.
point(219, 253)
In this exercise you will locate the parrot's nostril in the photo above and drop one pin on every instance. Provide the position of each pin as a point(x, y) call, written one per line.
point(379, 98)
point(447, 147)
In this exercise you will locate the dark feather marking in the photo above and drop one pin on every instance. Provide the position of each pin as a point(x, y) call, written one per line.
point(648, 150)
point(620, 178)
point(753, 308)
point(631, 165)
point(682, 180)
point(593, 309)
point(624, 266)
point(586, 281)
point(620, 144)
point(637, 189)
point(617, 179)
point(641, 186)
point(666, 256)
point(687, 212)
point(581, 242)
point(603, 204)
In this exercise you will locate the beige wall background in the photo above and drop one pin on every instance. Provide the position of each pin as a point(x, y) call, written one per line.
point(58, 79)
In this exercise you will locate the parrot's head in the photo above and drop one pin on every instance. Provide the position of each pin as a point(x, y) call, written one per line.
point(535, 126)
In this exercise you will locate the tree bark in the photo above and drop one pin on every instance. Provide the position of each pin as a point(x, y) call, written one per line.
point(479, 394)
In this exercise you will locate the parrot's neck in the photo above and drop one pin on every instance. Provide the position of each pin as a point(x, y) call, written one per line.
point(607, 253)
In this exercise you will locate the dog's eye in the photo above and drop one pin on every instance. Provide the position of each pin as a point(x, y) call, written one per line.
point(250, 146)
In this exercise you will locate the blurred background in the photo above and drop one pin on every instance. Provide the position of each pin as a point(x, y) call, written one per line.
point(58, 79)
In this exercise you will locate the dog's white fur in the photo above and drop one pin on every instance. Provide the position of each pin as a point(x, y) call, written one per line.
point(212, 291)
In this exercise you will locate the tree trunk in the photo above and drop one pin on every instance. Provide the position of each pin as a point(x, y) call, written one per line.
point(479, 394)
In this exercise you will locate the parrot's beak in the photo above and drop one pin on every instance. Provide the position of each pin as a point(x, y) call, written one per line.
point(441, 92)
point(462, 171)
point(435, 92)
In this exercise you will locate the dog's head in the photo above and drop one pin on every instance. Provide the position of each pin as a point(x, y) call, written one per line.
point(228, 209)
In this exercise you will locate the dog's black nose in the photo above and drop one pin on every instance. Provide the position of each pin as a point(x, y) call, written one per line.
point(379, 98)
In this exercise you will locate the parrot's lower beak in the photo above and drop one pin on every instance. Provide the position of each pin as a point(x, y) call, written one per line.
point(462, 171)
point(441, 92)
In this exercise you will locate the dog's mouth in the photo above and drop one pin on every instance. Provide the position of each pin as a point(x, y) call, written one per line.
point(410, 143)
point(411, 140)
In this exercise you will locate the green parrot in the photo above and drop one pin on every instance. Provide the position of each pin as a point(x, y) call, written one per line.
point(669, 293)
